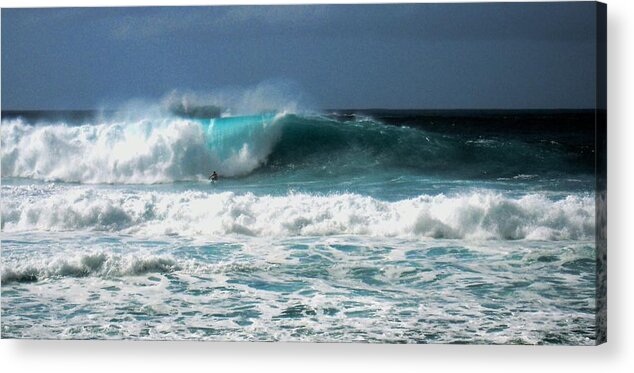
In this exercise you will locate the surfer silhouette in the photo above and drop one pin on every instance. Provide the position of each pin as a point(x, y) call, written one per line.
point(213, 176)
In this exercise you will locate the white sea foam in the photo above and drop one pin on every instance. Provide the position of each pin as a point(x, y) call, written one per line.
point(144, 151)
point(326, 289)
point(477, 215)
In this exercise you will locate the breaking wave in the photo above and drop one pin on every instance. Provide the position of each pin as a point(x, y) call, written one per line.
point(476, 215)
point(165, 148)
point(94, 264)
point(139, 152)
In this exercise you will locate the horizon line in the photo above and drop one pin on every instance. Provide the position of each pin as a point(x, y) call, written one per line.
point(355, 109)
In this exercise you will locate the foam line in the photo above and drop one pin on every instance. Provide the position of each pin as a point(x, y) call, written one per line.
point(476, 215)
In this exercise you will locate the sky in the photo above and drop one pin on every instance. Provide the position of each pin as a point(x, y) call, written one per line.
point(397, 56)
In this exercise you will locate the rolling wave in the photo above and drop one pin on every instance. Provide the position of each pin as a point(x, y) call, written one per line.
point(168, 148)
point(141, 152)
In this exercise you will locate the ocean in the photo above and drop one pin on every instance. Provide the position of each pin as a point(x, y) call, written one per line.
point(380, 226)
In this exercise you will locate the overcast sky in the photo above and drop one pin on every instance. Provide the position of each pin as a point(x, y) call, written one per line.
point(504, 55)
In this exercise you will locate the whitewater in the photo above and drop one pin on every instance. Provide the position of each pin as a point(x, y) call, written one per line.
point(326, 227)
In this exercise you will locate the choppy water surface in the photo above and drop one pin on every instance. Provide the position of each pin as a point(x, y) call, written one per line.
point(323, 228)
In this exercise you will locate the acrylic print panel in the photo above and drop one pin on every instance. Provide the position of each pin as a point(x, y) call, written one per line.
point(419, 173)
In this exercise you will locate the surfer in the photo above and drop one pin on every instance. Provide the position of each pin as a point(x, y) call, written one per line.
point(213, 176)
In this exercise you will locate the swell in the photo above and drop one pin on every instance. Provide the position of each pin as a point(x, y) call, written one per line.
point(164, 149)
point(476, 215)
point(362, 144)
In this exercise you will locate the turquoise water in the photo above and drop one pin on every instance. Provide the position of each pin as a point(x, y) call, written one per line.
point(339, 288)
point(320, 229)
